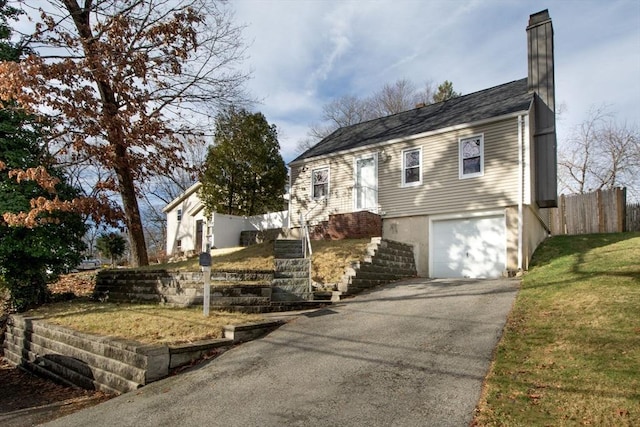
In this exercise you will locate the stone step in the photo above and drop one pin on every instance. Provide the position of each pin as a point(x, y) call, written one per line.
point(373, 249)
point(290, 283)
point(392, 255)
point(291, 296)
point(387, 261)
point(292, 264)
point(292, 274)
point(388, 276)
point(290, 255)
point(286, 248)
point(396, 268)
point(241, 276)
point(391, 244)
point(373, 264)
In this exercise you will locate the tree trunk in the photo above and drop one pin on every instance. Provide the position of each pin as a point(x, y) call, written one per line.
point(115, 133)
point(131, 210)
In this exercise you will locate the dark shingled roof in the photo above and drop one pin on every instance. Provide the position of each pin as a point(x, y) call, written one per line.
point(493, 102)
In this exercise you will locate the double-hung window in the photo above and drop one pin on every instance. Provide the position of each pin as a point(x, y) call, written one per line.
point(320, 183)
point(412, 167)
point(179, 214)
point(471, 155)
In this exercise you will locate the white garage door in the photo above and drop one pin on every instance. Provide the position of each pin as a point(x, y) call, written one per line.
point(469, 247)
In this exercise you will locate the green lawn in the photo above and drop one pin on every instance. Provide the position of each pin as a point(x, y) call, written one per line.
point(570, 353)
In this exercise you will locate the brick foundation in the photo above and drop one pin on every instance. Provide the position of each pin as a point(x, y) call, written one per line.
point(354, 225)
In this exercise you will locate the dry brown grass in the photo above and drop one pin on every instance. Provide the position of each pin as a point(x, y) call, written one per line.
point(161, 324)
point(143, 323)
point(329, 260)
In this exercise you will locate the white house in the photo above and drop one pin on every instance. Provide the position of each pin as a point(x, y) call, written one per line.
point(190, 231)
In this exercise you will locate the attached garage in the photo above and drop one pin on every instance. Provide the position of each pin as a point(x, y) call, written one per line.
point(473, 247)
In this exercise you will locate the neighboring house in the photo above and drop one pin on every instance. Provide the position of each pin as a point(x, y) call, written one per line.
point(190, 231)
point(186, 223)
point(464, 181)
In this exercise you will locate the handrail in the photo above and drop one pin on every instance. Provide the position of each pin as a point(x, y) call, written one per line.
point(306, 239)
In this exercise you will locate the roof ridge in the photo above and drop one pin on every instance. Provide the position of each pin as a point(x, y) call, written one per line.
point(482, 104)
point(459, 98)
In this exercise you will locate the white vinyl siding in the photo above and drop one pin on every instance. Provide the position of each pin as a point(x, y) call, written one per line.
point(442, 190)
point(338, 199)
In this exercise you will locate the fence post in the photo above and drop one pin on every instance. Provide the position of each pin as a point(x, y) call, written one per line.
point(600, 207)
point(563, 212)
point(621, 202)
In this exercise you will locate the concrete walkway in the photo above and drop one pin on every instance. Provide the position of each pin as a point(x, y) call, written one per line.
point(414, 353)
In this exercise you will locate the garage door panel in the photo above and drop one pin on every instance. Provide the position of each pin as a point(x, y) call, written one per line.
point(469, 247)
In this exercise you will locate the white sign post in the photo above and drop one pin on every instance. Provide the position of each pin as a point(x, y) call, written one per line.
point(205, 263)
point(206, 271)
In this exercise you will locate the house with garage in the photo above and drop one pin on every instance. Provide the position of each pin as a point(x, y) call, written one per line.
point(465, 181)
point(191, 231)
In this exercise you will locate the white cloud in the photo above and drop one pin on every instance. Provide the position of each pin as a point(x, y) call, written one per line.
point(306, 52)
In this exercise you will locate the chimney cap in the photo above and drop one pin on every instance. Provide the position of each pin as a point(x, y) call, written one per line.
point(539, 18)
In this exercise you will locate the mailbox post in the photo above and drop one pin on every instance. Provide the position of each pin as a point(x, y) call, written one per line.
point(205, 264)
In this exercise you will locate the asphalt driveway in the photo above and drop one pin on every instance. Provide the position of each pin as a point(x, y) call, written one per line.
point(409, 354)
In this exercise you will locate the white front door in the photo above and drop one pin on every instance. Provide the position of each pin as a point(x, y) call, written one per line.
point(366, 183)
point(468, 247)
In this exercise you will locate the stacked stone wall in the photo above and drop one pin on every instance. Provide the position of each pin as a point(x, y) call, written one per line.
point(104, 363)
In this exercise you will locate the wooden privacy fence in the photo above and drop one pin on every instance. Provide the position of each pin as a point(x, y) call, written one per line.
point(633, 217)
point(603, 211)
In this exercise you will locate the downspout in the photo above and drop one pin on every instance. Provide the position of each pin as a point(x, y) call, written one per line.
point(288, 226)
point(520, 191)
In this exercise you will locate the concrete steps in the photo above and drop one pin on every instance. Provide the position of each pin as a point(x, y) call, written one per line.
point(288, 249)
point(387, 261)
point(292, 272)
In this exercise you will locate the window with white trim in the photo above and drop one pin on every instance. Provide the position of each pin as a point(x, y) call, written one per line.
point(471, 156)
point(412, 167)
point(179, 214)
point(320, 183)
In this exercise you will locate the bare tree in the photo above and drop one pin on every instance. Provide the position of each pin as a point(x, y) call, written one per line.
point(124, 83)
point(392, 98)
point(400, 96)
point(600, 154)
point(344, 111)
point(159, 190)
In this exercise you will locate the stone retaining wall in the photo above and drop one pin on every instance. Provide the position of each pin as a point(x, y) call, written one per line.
point(103, 363)
point(386, 261)
point(229, 289)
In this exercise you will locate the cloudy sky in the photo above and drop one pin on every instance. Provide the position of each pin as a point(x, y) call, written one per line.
point(304, 53)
